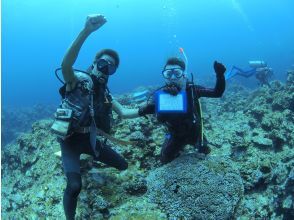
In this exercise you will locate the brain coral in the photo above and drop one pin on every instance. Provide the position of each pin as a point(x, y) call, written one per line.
point(192, 188)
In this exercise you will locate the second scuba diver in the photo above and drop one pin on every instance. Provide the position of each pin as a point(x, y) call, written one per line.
point(177, 106)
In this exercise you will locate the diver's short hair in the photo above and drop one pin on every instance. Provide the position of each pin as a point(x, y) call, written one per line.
point(108, 52)
point(176, 61)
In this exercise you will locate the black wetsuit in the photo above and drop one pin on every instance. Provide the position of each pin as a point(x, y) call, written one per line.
point(79, 143)
point(184, 128)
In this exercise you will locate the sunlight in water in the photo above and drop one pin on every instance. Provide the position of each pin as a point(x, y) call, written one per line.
point(239, 9)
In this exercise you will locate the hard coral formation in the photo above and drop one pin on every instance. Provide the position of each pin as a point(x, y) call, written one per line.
point(191, 188)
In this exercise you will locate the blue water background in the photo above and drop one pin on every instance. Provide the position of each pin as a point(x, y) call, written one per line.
point(36, 35)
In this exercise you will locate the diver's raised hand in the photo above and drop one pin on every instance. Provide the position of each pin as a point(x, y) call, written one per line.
point(219, 68)
point(94, 22)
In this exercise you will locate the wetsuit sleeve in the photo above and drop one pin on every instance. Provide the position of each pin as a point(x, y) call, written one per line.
point(216, 92)
point(147, 110)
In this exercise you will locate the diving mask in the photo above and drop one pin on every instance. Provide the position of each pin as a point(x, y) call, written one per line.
point(168, 73)
point(105, 66)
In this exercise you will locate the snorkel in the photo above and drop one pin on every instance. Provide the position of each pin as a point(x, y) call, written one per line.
point(181, 49)
point(185, 57)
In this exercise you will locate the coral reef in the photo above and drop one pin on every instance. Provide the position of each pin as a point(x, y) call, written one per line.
point(16, 121)
point(192, 188)
point(248, 175)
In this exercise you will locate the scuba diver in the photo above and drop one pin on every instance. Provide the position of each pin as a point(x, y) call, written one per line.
point(263, 75)
point(262, 72)
point(86, 107)
point(177, 106)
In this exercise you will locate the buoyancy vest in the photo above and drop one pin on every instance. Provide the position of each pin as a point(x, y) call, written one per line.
point(79, 101)
point(103, 109)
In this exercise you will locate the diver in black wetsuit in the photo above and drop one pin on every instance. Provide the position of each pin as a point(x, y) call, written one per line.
point(86, 105)
point(184, 125)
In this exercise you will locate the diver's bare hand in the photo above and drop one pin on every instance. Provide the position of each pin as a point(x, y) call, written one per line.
point(94, 22)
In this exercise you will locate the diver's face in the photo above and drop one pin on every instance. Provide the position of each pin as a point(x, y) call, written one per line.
point(174, 74)
point(103, 68)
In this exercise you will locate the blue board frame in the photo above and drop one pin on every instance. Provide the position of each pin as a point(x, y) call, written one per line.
point(157, 103)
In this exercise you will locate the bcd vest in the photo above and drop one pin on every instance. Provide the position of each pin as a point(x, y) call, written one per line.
point(79, 101)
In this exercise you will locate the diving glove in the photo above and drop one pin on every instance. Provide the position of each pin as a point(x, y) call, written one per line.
point(219, 68)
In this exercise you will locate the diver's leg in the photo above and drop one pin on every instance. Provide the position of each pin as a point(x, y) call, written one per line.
point(70, 196)
point(248, 73)
point(71, 164)
point(110, 157)
point(170, 149)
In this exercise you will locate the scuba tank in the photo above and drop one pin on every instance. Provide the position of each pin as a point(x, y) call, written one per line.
point(257, 64)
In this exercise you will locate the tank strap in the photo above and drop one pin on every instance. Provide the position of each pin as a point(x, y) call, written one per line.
point(197, 108)
point(93, 127)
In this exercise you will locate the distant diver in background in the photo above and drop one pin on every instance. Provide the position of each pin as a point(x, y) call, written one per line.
point(262, 72)
point(177, 106)
point(86, 107)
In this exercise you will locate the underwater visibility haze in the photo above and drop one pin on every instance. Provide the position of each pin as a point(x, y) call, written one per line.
point(36, 35)
point(221, 148)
